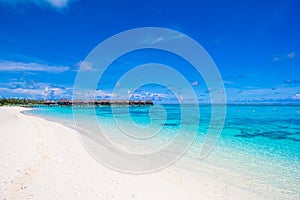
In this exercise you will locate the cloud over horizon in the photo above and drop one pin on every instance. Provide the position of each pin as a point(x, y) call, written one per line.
point(11, 66)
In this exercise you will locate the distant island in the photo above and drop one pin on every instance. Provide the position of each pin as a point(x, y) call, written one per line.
point(65, 102)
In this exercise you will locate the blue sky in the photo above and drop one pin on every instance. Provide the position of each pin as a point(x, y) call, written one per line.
point(255, 44)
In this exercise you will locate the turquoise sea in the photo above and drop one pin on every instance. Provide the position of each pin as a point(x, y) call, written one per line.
point(259, 144)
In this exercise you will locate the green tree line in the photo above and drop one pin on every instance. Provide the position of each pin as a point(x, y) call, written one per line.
point(16, 101)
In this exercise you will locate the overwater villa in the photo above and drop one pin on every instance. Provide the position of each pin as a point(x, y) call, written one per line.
point(93, 102)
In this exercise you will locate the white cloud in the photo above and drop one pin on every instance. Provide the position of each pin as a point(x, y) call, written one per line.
point(32, 66)
point(296, 97)
point(37, 90)
point(102, 94)
point(157, 39)
point(291, 55)
point(22, 91)
point(52, 93)
point(59, 4)
point(85, 66)
point(194, 83)
point(228, 82)
point(118, 84)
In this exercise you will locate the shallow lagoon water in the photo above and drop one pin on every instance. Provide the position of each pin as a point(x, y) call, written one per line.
point(259, 142)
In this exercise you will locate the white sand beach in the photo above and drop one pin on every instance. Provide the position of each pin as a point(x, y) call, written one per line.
point(46, 160)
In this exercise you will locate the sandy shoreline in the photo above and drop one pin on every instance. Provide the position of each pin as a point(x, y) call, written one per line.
point(46, 160)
